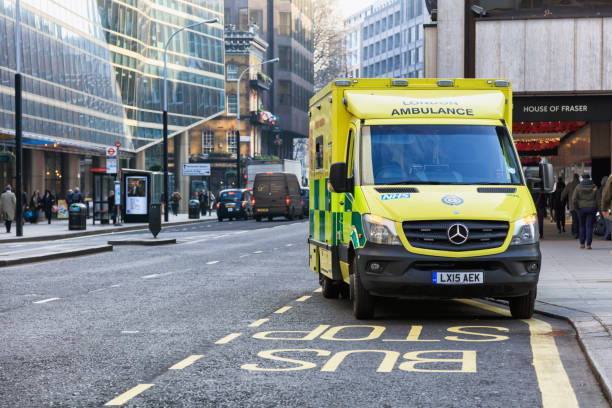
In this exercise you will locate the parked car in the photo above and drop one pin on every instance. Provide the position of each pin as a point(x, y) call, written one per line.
point(234, 203)
point(305, 200)
point(277, 194)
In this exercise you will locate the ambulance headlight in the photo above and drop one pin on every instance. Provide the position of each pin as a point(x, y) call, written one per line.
point(525, 231)
point(380, 230)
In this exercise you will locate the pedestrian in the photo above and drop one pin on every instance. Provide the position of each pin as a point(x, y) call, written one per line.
point(35, 206)
point(69, 197)
point(77, 197)
point(605, 204)
point(175, 199)
point(540, 200)
point(584, 201)
point(559, 205)
point(211, 202)
point(8, 205)
point(567, 195)
point(112, 209)
point(203, 202)
point(48, 201)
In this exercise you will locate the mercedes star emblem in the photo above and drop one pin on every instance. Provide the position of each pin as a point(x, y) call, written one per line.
point(458, 234)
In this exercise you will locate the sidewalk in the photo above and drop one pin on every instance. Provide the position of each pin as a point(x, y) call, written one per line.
point(58, 229)
point(577, 284)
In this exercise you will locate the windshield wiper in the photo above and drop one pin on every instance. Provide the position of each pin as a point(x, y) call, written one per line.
point(415, 182)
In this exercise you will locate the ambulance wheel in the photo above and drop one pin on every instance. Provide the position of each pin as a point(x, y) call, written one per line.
point(257, 218)
point(363, 302)
point(522, 307)
point(328, 288)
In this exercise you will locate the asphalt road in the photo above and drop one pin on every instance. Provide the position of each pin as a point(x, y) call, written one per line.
point(230, 317)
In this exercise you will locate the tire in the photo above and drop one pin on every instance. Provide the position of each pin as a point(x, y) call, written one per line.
point(220, 219)
point(345, 291)
point(363, 302)
point(257, 218)
point(328, 288)
point(291, 215)
point(522, 307)
point(270, 218)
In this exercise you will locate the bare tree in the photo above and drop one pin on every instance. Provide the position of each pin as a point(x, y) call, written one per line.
point(329, 46)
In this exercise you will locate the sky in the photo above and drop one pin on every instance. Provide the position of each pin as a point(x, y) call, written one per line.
point(348, 7)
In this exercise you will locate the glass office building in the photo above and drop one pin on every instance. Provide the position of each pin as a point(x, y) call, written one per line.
point(93, 76)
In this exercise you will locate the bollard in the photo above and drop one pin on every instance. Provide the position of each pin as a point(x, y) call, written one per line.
point(155, 219)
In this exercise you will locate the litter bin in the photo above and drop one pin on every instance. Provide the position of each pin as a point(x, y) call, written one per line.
point(77, 217)
point(194, 209)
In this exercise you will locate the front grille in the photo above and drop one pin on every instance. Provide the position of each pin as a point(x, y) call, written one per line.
point(385, 190)
point(433, 234)
point(508, 190)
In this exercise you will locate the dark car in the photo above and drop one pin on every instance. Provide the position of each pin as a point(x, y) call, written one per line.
point(306, 200)
point(276, 195)
point(234, 203)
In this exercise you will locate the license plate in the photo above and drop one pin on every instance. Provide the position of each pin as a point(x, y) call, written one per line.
point(457, 278)
point(262, 210)
point(230, 209)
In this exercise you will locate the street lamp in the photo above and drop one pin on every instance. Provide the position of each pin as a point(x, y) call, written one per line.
point(18, 126)
point(165, 111)
point(238, 177)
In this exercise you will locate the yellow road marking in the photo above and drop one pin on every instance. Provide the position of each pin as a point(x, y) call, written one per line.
point(553, 381)
point(128, 395)
point(258, 323)
point(228, 338)
point(318, 290)
point(283, 309)
point(303, 298)
point(186, 362)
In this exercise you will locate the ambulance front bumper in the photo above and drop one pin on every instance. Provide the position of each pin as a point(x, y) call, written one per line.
point(391, 271)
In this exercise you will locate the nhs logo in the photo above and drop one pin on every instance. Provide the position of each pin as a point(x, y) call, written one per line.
point(394, 196)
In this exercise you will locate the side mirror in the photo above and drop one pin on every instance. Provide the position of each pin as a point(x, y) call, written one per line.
point(337, 178)
point(540, 179)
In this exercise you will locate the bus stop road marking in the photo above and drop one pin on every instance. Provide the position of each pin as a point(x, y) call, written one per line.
point(283, 309)
point(228, 338)
point(259, 322)
point(186, 362)
point(128, 395)
point(552, 378)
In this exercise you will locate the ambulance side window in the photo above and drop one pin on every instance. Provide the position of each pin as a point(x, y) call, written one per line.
point(349, 154)
point(319, 152)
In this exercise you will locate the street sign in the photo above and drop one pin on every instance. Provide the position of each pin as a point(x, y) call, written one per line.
point(196, 169)
point(117, 145)
point(111, 165)
point(111, 152)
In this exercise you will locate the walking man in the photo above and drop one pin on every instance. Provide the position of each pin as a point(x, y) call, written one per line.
point(8, 205)
point(203, 202)
point(567, 195)
point(606, 202)
point(585, 202)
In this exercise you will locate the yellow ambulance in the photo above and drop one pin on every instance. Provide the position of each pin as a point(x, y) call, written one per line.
point(416, 190)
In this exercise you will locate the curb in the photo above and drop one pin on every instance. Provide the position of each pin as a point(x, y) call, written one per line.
point(145, 242)
point(582, 336)
point(90, 233)
point(56, 255)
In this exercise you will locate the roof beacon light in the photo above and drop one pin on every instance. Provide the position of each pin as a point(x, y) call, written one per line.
point(399, 82)
point(502, 83)
point(343, 82)
point(446, 82)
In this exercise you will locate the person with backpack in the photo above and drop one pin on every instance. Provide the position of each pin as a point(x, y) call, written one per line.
point(77, 197)
point(175, 200)
point(584, 201)
point(35, 206)
point(203, 202)
point(559, 205)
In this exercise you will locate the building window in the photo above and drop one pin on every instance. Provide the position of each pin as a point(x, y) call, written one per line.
point(396, 64)
point(397, 18)
point(365, 52)
point(231, 141)
point(383, 25)
point(284, 26)
point(232, 104)
point(243, 18)
point(208, 141)
point(232, 72)
point(256, 17)
point(397, 40)
point(420, 58)
point(284, 92)
point(365, 33)
point(284, 55)
point(383, 45)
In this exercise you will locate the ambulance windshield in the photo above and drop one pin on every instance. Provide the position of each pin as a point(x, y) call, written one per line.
point(437, 154)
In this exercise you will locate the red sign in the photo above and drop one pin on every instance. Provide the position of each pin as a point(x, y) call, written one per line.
point(111, 152)
point(117, 144)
